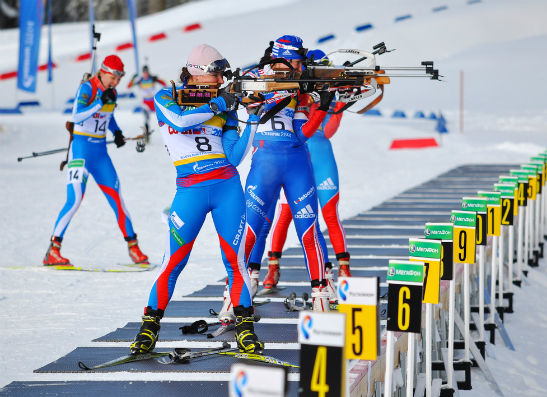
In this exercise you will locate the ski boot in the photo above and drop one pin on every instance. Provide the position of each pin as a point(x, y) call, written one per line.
point(343, 264)
point(329, 278)
point(134, 251)
point(320, 297)
point(226, 314)
point(254, 274)
point(148, 335)
point(247, 341)
point(272, 278)
point(53, 255)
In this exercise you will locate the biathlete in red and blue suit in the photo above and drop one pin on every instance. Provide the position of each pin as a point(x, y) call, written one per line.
point(205, 147)
point(281, 159)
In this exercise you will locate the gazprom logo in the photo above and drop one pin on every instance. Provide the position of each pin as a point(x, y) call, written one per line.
point(305, 327)
point(239, 383)
point(412, 248)
point(343, 289)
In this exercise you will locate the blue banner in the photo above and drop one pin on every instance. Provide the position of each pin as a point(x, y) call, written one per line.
point(49, 60)
point(132, 17)
point(91, 23)
point(30, 25)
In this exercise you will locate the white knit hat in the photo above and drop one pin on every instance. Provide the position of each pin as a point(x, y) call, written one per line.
point(202, 56)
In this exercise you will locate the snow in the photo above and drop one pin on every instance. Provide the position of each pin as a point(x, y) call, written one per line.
point(501, 46)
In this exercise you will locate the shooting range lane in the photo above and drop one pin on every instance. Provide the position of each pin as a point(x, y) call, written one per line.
point(376, 236)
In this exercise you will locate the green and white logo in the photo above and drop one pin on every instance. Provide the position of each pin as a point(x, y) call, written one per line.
point(76, 163)
point(439, 231)
point(476, 204)
point(510, 180)
point(405, 272)
point(464, 219)
point(422, 248)
point(493, 198)
point(507, 191)
point(177, 237)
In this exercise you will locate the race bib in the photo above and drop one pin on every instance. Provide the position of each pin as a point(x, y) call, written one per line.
point(76, 172)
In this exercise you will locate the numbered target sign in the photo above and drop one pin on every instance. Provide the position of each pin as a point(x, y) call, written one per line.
point(514, 181)
point(359, 299)
point(531, 170)
point(540, 159)
point(257, 381)
point(404, 300)
point(428, 252)
point(322, 360)
point(507, 202)
point(479, 206)
point(443, 232)
point(522, 196)
point(539, 169)
point(494, 212)
point(465, 224)
point(544, 157)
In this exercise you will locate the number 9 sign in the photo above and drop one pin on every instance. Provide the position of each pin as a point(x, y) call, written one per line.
point(464, 236)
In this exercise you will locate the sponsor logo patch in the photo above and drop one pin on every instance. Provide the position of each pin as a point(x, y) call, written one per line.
point(306, 212)
point(177, 222)
point(305, 196)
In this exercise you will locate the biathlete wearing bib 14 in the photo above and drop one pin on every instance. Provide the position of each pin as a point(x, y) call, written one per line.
point(205, 148)
point(281, 159)
point(88, 155)
point(326, 176)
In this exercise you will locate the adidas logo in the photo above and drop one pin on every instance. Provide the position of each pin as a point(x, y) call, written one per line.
point(305, 212)
point(287, 52)
point(328, 184)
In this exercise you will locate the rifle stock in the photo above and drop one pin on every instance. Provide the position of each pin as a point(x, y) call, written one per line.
point(70, 128)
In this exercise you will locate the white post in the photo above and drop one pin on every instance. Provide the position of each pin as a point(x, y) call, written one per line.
point(428, 348)
point(520, 242)
point(537, 226)
point(500, 265)
point(410, 359)
point(527, 234)
point(510, 256)
point(531, 229)
point(388, 380)
point(481, 292)
point(451, 308)
point(493, 277)
point(467, 309)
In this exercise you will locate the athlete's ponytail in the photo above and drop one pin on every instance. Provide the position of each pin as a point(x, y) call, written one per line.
point(185, 75)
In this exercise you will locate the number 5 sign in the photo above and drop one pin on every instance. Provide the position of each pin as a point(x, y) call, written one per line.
point(404, 296)
point(464, 236)
point(358, 298)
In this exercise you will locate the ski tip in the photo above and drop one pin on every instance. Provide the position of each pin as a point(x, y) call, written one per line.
point(83, 366)
point(210, 336)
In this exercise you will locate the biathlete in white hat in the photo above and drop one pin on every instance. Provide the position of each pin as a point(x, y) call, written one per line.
point(205, 148)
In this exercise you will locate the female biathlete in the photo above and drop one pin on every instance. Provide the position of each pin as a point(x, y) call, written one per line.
point(205, 147)
point(326, 177)
point(92, 114)
point(281, 159)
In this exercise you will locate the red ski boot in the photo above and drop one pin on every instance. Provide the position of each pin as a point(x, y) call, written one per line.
point(343, 265)
point(53, 255)
point(272, 278)
point(135, 252)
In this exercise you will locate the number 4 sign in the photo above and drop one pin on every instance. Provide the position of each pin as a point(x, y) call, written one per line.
point(358, 298)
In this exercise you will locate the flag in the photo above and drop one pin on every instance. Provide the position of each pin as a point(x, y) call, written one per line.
point(49, 60)
point(30, 25)
point(132, 17)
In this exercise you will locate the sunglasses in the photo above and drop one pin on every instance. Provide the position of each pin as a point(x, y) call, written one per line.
point(116, 73)
point(214, 67)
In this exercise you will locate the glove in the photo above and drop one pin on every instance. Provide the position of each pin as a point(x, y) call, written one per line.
point(119, 139)
point(225, 102)
point(326, 98)
point(108, 96)
point(256, 110)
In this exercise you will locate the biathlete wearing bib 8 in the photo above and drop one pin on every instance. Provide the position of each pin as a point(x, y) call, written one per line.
point(281, 159)
point(205, 149)
point(88, 155)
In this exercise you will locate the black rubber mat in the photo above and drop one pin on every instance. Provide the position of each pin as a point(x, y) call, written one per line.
point(384, 217)
point(357, 251)
point(355, 263)
point(402, 231)
point(398, 222)
point(415, 208)
point(91, 356)
point(123, 388)
point(201, 309)
point(374, 241)
point(218, 290)
point(302, 274)
point(282, 333)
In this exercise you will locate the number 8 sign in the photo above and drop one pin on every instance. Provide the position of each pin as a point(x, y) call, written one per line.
point(405, 290)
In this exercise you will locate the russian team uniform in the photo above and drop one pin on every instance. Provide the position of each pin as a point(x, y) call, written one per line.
point(147, 89)
point(282, 160)
point(205, 149)
point(88, 155)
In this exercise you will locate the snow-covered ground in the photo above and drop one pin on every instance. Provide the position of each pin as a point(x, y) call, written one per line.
point(501, 46)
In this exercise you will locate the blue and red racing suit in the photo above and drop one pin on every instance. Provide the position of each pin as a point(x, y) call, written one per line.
point(147, 88)
point(88, 155)
point(281, 159)
point(205, 149)
point(326, 176)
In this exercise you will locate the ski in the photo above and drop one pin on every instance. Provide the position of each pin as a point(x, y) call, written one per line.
point(261, 303)
point(225, 326)
point(83, 269)
point(259, 357)
point(125, 359)
point(184, 355)
point(138, 265)
point(268, 291)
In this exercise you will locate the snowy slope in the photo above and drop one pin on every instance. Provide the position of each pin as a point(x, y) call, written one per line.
point(46, 314)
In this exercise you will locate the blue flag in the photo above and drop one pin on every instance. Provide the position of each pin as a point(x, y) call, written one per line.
point(91, 23)
point(30, 25)
point(132, 17)
point(49, 60)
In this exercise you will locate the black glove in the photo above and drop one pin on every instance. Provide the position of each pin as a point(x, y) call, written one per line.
point(119, 139)
point(108, 96)
point(230, 99)
point(258, 110)
point(326, 98)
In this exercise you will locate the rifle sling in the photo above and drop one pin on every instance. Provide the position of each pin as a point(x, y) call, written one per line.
point(375, 102)
point(275, 109)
